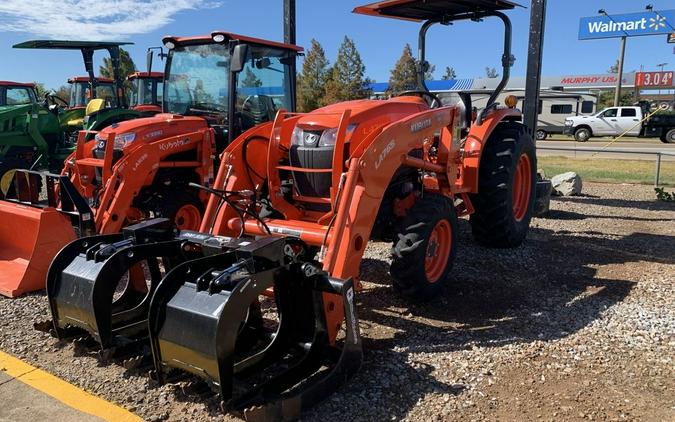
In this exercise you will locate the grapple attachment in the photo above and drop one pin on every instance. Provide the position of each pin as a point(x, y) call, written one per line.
point(102, 285)
point(207, 318)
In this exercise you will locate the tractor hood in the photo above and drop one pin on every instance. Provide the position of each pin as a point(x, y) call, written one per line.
point(376, 113)
point(151, 129)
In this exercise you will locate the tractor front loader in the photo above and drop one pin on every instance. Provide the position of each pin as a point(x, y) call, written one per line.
point(141, 168)
point(260, 303)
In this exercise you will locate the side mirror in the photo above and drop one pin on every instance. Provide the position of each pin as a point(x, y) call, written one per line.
point(238, 59)
point(149, 60)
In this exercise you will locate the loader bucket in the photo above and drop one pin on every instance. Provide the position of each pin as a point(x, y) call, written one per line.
point(102, 285)
point(29, 238)
point(205, 319)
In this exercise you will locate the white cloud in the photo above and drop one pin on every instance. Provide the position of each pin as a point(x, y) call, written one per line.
point(91, 19)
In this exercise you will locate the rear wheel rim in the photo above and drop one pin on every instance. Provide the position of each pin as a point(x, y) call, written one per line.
point(188, 217)
point(438, 251)
point(522, 187)
point(541, 135)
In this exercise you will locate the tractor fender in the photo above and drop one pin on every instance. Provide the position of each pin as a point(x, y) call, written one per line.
point(473, 147)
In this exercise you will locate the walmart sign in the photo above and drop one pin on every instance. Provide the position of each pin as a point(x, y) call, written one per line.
point(633, 24)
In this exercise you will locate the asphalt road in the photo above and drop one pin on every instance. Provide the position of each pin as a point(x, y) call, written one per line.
point(639, 144)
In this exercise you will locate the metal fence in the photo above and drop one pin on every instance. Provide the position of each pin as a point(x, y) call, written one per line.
point(657, 154)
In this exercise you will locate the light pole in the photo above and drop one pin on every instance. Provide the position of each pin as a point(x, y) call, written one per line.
point(622, 53)
point(661, 65)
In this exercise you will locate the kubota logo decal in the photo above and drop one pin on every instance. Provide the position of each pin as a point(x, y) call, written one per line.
point(173, 144)
point(384, 153)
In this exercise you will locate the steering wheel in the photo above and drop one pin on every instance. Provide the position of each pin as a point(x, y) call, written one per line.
point(435, 101)
point(55, 99)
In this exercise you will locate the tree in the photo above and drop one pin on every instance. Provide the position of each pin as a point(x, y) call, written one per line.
point(312, 80)
point(250, 79)
point(346, 79)
point(404, 75)
point(127, 66)
point(606, 99)
point(491, 72)
point(614, 68)
point(63, 92)
point(40, 90)
point(449, 73)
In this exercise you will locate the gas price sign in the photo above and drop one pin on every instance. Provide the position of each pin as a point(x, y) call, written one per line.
point(654, 78)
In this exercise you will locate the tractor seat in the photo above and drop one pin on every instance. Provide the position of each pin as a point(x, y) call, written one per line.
point(93, 106)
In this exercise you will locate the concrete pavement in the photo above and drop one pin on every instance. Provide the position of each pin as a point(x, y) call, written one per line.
point(29, 394)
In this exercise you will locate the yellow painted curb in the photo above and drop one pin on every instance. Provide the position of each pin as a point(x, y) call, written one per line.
point(64, 392)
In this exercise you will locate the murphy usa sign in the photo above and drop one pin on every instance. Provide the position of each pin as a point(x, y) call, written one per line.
point(631, 25)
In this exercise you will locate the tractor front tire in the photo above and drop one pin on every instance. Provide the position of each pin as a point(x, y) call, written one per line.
point(506, 194)
point(183, 208)
point(668, 137)
point(423, 254)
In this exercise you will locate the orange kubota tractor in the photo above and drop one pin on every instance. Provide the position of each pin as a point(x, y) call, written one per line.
point(141, 168)
point(260, 303)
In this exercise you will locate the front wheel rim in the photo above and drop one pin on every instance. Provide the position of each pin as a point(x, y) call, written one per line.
point(522, 187)
point(188, 217)
point(438, 251)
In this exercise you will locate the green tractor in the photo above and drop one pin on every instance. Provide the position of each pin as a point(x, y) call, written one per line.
point(29, 128)
point(42, 133)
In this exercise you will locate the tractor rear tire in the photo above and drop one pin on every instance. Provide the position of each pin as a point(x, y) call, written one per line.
point(183, 208)
point(507, 177)
point(425, 249)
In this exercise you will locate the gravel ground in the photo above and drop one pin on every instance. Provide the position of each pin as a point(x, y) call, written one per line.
point(576, 324)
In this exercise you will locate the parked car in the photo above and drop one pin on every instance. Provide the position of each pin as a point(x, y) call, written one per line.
point(615, 121)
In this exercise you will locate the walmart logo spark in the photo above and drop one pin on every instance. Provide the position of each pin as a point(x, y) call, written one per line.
point(657, 23)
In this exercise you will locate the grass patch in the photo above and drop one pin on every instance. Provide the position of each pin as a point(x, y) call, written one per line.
point(607, 170)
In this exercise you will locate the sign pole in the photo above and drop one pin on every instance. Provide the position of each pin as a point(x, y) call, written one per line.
point(617, 92)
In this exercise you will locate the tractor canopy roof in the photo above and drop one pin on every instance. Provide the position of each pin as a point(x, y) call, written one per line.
point(18, 84)
point(70, 45)
point(229, 36)
point(440, 10)
point(85, 79)
point(145, 75)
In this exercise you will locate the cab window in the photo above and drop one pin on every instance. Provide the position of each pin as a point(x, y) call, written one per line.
point(263, 86)
point(628, 112)
point(18, 96)
point(610, 112)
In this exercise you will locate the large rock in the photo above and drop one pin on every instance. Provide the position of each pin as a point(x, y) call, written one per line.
point(566, 184)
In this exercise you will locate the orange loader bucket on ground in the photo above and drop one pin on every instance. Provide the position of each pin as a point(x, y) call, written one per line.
point(29, 239)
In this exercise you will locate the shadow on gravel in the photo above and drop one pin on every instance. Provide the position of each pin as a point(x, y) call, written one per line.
point(545, 290)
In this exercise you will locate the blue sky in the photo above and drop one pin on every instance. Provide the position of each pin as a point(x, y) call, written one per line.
point(467, 46)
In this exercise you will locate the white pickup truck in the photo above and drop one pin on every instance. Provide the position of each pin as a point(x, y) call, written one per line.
point(614, 121)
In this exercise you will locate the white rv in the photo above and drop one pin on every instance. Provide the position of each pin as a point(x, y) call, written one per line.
point(554, 107)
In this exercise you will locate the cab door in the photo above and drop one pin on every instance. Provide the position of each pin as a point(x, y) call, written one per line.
point(604, 124)
point(628, 121)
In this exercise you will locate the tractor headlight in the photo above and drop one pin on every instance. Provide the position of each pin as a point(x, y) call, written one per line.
point(305, 138)
point(317, 138)
point(123, 140)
